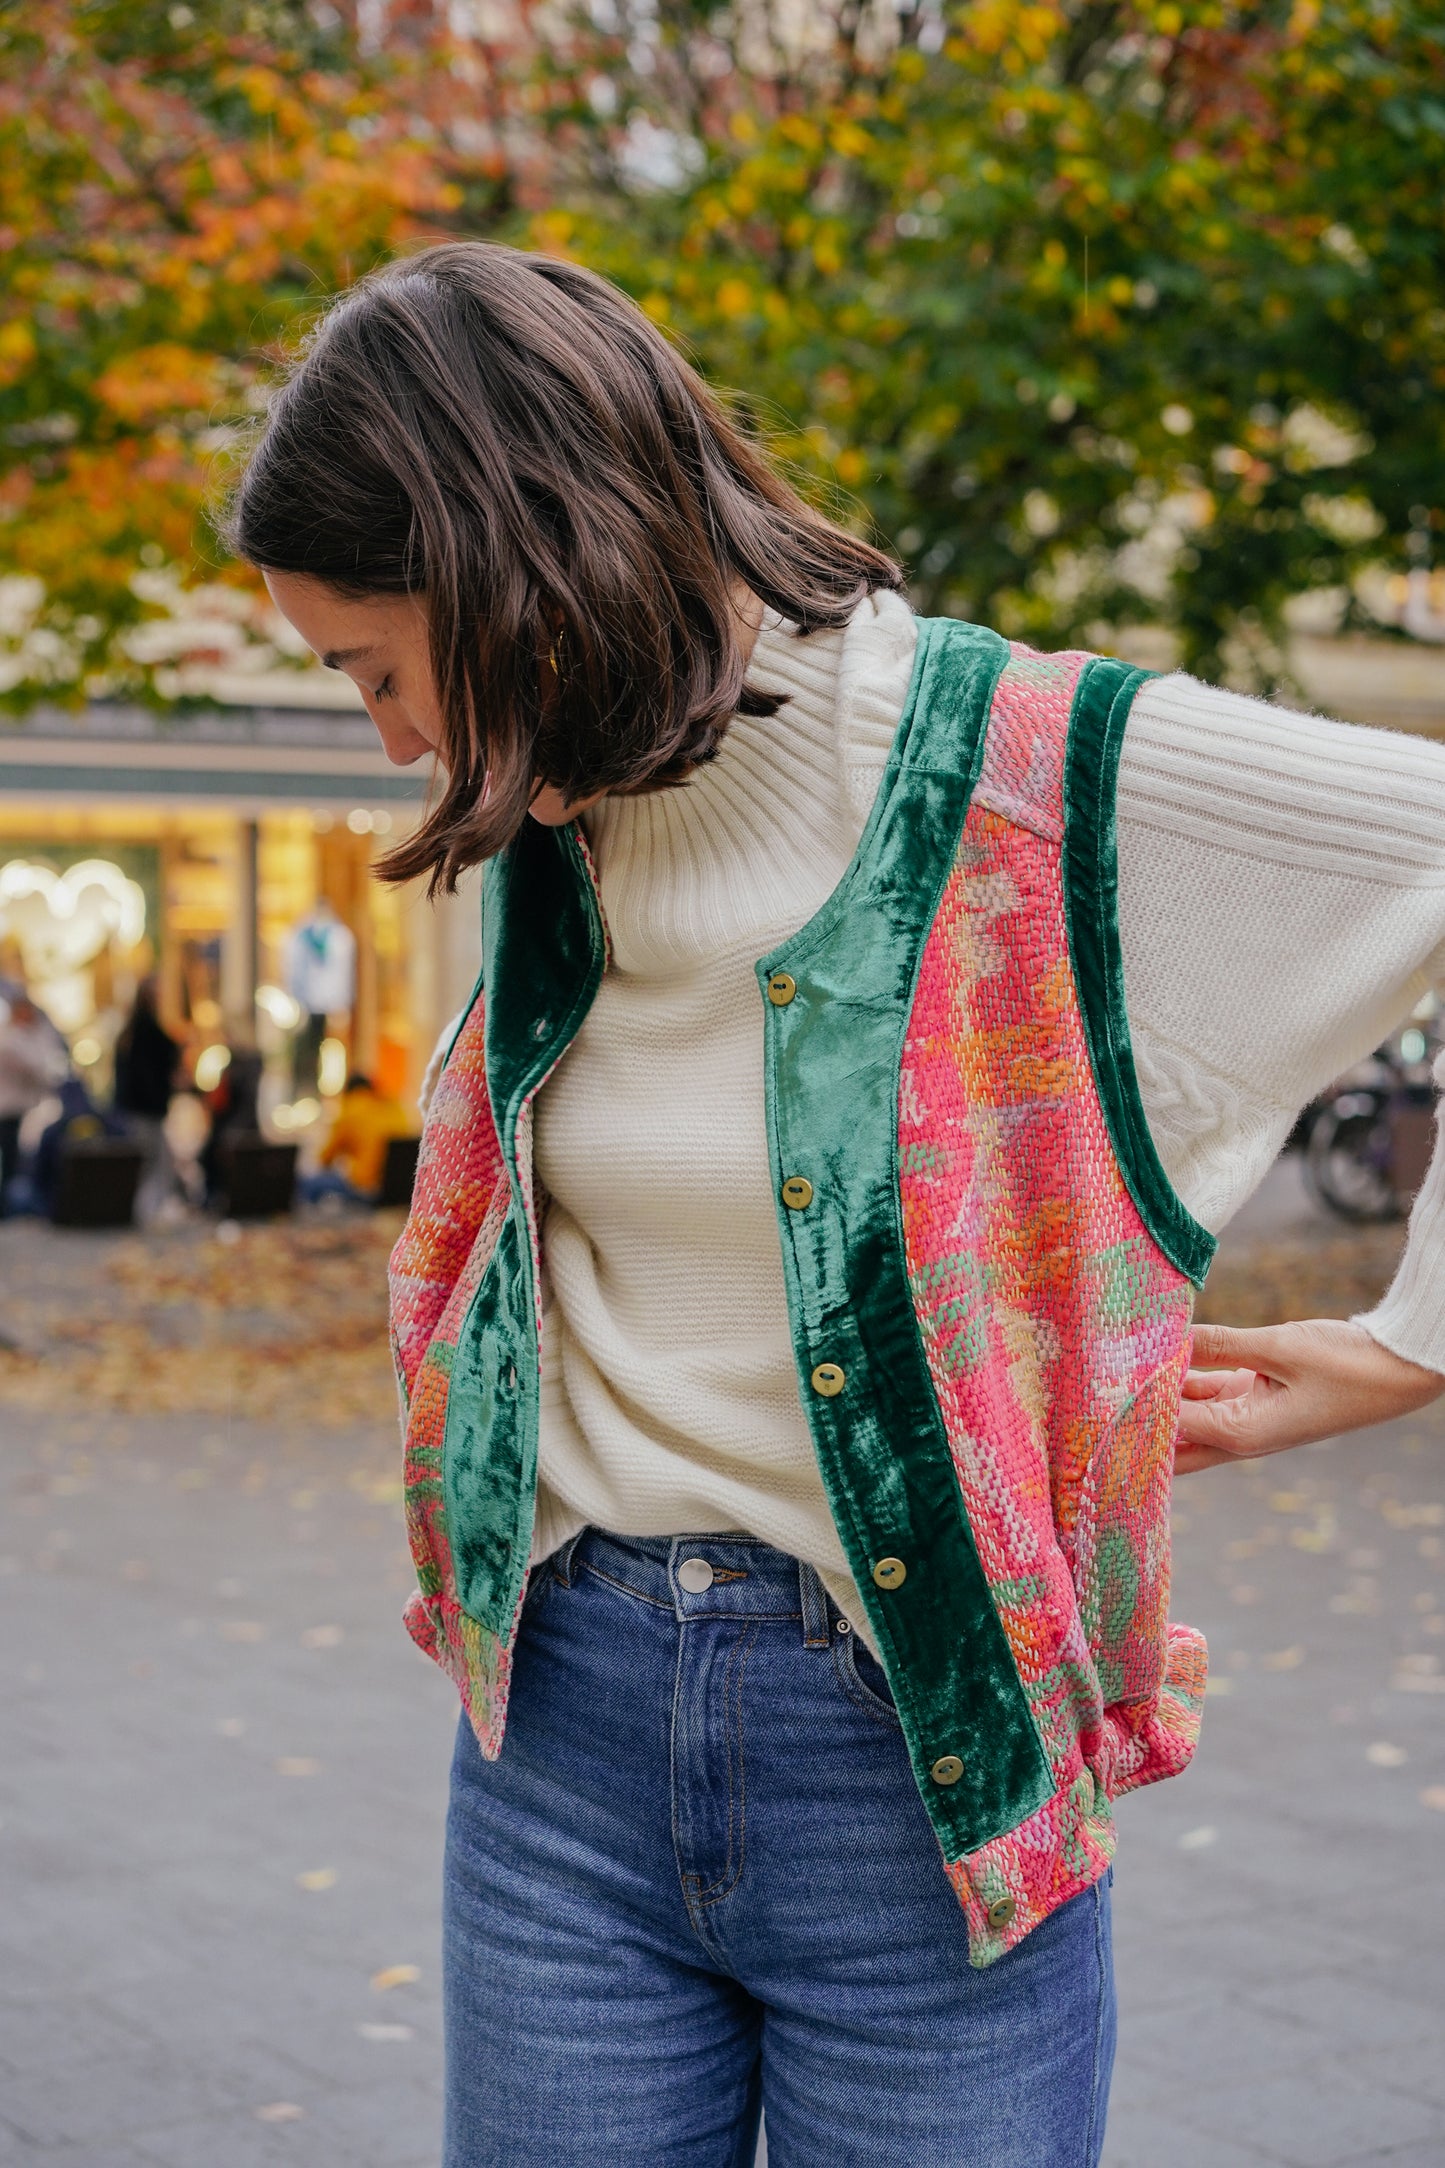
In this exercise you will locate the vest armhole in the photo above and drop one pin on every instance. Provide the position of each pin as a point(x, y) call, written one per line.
point(1102, 700)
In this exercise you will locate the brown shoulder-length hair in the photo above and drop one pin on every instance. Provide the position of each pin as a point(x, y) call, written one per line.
point(509, 436)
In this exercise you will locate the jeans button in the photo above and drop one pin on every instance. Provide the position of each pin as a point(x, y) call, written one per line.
point(695, 1575)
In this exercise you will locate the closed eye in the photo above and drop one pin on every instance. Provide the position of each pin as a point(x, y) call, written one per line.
point(386, 690)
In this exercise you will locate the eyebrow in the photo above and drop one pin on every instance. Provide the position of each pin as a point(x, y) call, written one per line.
point(336, 658)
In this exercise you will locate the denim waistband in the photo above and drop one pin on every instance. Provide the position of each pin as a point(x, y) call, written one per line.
point(749, 1579)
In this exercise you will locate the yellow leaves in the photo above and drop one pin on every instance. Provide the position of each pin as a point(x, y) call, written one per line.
point(851, 466)
point(1055, 255)
point(395, 1976)
point(163, 379)
point(1181, 187)
point(734, 298)
point(17, 349)
point(849, 140)
point(657, 306)
point(552, 231)
point(320, 1305)
point(806, 134)
point(261, 88)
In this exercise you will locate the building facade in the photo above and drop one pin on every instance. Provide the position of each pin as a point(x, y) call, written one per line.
point(192, 846)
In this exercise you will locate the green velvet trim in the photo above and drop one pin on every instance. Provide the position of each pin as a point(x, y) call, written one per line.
point(1102, 700)
point(542, 958)
point(833, 1058)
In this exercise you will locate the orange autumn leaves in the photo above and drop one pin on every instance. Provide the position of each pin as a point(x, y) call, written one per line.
point(168, 205)
point(1041, 286)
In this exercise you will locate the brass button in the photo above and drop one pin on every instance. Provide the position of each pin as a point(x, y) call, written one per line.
point(798, 1192)
point(1000, 1913)
point(890, 1573)
point(781, 988)
point(947, 1769)
point(828, 1380)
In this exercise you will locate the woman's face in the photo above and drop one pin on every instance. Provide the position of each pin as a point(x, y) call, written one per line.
point(382, 642)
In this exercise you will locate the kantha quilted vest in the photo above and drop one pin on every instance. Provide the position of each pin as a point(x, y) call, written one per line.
point(989, 1291)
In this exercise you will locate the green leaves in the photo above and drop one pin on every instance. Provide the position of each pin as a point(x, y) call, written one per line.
point(1110, 317)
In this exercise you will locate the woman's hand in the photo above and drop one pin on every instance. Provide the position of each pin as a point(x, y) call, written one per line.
point(1290, 1385)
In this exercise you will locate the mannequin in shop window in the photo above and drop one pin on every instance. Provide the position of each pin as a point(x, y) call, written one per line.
point(321, 975)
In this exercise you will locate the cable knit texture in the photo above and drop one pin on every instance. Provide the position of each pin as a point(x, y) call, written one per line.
point(1282, 907)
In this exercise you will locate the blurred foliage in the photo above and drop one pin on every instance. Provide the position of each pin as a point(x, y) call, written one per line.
point(177, 187)
point(1108, 316)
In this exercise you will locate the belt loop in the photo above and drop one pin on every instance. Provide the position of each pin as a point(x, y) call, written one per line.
point(562, 1558)
point(813, 1598)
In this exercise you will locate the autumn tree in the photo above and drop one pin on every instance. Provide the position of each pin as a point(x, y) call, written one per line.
point(177, 190)
point(1108, 315)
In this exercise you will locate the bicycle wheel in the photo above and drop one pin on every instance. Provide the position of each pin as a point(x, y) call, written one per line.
point(1347, 1158)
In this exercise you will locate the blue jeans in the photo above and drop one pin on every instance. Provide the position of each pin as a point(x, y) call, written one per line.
point(700, 1884)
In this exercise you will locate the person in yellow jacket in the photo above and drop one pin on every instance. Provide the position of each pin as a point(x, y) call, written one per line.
point(354, 1154)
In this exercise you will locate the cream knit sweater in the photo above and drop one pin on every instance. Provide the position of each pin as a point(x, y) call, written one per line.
point(1282, 906)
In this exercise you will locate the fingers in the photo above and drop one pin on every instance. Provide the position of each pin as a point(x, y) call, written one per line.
point(1188, 1459)
point(1227, 1347)
point(1217, 1423)
point(1218, 1384)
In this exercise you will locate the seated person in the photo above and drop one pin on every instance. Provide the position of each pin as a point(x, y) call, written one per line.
point(354, 1154)
point(78, 1119)
point(233, 1106)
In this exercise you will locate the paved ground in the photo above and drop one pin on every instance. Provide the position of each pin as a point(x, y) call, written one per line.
point(222, 1780)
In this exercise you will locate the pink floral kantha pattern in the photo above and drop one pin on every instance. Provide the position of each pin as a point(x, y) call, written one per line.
point(459, 1203)
point(1056, 1331)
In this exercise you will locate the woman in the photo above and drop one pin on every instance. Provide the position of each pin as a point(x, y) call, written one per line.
point(872, 1031)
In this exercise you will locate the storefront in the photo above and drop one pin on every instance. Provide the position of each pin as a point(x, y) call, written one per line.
point(201, 848)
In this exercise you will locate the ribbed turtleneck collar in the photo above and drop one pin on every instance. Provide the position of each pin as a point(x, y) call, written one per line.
point(749, 848)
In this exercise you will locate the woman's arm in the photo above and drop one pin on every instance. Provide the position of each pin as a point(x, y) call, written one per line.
point(1282, 908)
point(1260, 1392)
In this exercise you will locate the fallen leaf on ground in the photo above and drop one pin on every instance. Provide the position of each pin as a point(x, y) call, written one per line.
point(322, 1637)
point(1283, 1660)
point(1385, 1756)
point(296, 1765)
point(1198, 1840)
point(242, 1629)
point(279, 2111)
point(1434, 1796)
point(395, 1976)
point(317, 1878)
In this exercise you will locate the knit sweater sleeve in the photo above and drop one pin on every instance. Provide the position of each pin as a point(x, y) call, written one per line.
point(1282, 909)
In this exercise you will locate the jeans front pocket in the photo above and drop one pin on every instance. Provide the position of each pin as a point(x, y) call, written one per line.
point(862, 1677)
